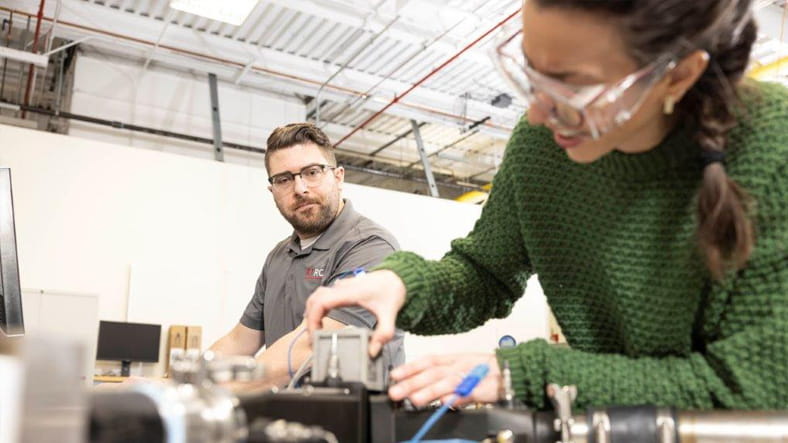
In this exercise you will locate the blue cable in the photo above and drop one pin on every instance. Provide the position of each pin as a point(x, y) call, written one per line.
point(433, 418)
point(290, 353)
point(464, 389)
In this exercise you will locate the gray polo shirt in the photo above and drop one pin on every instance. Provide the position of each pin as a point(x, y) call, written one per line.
point(290, 275)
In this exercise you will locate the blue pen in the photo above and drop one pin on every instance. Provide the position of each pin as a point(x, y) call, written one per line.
point(357, 272)
point(354, 273)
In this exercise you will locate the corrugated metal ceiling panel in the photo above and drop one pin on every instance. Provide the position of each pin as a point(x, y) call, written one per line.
point(338, 30)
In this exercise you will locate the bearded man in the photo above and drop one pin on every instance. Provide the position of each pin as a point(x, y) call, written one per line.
point(330, 241)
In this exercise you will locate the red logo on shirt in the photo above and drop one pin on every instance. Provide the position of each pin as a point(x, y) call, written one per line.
point(314, 273)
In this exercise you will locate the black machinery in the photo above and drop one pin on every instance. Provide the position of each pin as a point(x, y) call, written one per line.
point(350, 413)
point(339, 407)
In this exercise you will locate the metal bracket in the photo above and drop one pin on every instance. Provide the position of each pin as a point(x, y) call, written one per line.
point(600, 426)
point(425, 160)
point(562, 398)
point(218, 149)
point(666, 425)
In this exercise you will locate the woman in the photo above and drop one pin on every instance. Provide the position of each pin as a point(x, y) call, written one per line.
point(654, 209)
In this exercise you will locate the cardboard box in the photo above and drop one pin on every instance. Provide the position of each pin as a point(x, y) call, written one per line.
point(176, 344)
point(193, 341)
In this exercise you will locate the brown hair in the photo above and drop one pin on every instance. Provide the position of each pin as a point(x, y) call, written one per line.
point(726, 30)
point(293, 134)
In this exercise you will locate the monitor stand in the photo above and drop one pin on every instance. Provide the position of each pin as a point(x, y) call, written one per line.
point(125, 368)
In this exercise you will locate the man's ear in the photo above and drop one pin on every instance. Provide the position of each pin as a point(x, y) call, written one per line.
point(686, 73)
point(270, 189)
point(339, 173)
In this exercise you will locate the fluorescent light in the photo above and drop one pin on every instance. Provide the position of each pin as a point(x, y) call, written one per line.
point(233, 12)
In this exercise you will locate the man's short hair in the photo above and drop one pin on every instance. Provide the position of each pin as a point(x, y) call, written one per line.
point(293, 134)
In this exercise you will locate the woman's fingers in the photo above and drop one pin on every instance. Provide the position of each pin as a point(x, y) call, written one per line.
point(437, 377)
point(425, 386)
point(442, 387)
point(322, 301)
point(409, 369)
point(381, 292)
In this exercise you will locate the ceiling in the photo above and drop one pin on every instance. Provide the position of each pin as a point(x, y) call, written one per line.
point(422, 61)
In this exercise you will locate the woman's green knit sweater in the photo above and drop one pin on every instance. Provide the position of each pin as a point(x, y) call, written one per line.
point(613, 243)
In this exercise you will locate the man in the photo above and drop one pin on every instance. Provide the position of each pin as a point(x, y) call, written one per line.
point(330, 241)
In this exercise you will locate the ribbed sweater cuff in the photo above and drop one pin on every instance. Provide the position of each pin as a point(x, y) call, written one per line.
point(409, 267)
point(527, 363)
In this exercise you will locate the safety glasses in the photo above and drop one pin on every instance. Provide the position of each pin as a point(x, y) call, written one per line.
point(590, 110)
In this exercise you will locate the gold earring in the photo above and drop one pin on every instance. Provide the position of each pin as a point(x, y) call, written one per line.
point(668, 105)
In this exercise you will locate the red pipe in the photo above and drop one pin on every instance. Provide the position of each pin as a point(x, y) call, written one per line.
point(35, 49)
point(426, 77)
point(262, 70)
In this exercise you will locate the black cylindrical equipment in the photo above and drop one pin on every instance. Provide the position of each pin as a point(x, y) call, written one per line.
point(166, 413)
point(186, 413)
point(125, 417)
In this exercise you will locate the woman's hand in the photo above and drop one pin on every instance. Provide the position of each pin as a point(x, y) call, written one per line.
point(436, 377)
point(381, 292)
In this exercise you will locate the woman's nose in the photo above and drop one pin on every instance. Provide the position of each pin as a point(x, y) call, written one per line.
point(537, 115)
point(539, 111)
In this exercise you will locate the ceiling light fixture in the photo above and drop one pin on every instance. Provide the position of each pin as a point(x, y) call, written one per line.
point(233, 12)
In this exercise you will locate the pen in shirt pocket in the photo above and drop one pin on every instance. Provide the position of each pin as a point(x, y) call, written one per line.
point(352, 273)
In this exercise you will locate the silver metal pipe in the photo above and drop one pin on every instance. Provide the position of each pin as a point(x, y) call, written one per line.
point(733, 426)
point(696, 427)
point(72, 43)
point(59, 85)
point(54, 25)
point(167, 21)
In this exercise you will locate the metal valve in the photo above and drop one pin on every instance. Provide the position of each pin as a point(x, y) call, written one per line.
point(223, 369)
point(210, 368)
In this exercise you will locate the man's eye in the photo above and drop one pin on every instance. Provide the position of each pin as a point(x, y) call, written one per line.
point(312, 172)
point(282, 180)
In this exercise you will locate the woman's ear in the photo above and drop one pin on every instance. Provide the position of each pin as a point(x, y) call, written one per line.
point(686, 73)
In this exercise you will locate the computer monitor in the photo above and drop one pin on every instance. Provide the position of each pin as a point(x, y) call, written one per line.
point(127, 342)
point(11, 319)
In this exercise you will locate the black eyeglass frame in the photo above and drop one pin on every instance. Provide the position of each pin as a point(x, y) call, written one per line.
point(292, 176)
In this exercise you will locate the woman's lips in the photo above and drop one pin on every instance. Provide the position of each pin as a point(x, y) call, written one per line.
point(567, 142)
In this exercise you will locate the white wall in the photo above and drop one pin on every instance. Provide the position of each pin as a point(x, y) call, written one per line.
point(180, 240)
point(114, 89)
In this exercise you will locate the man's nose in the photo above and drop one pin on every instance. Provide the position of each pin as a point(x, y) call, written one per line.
point(298, 185)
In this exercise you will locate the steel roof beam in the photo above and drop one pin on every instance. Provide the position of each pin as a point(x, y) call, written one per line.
point(396, 139)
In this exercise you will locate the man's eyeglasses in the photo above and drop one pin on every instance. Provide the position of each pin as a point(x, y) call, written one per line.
point(584, 110)
point(311, 176)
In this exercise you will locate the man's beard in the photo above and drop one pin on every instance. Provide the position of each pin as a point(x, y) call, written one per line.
point(312, 224)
